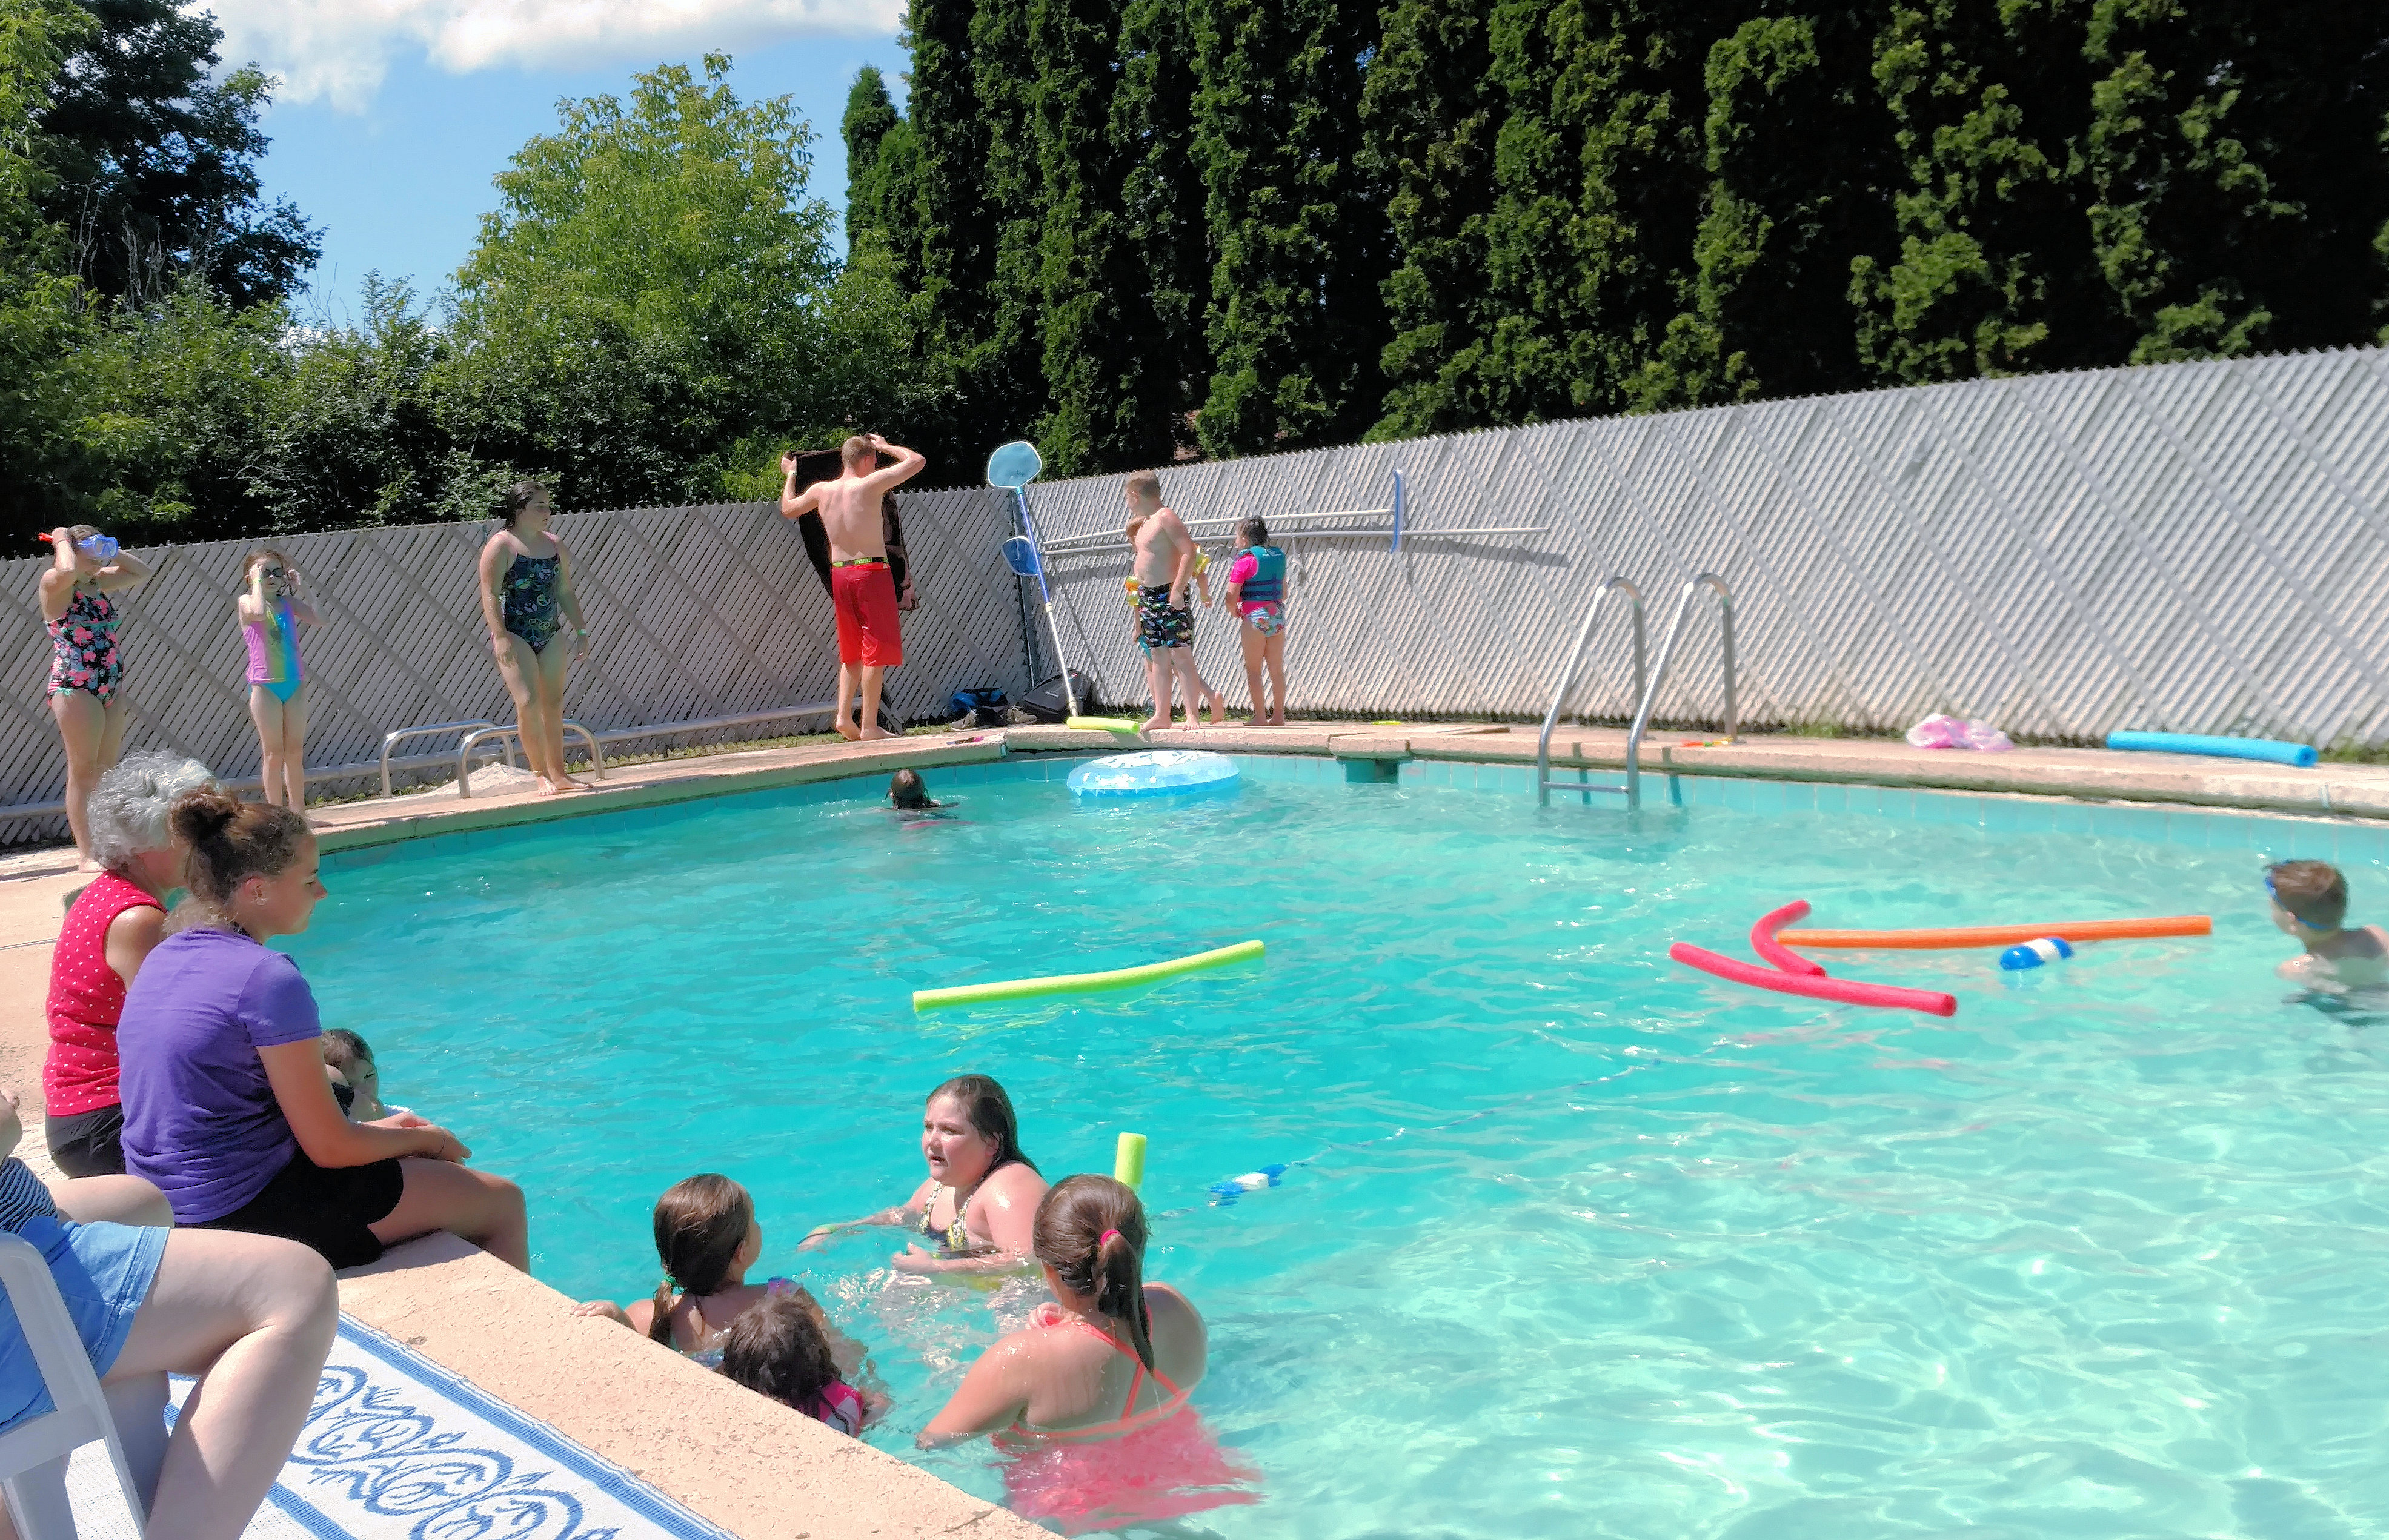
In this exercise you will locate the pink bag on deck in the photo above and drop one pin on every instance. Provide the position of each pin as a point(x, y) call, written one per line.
point(1940, 732)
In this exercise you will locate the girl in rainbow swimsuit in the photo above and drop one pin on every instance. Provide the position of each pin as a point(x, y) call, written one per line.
point(270, 614)
point(1256, 594)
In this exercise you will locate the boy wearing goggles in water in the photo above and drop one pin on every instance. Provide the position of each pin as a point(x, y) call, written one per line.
point(2310, 903)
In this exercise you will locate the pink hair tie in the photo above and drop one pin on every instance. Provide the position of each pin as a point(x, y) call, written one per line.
point(1107, 1235)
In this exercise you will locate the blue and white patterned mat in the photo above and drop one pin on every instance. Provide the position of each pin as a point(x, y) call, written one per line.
point(398, 1449)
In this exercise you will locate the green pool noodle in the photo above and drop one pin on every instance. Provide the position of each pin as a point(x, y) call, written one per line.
point(1128, 1165)
point(1081, 984)
point(1102, 724)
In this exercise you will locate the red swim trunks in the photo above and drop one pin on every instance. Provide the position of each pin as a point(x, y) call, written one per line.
point(864, 597)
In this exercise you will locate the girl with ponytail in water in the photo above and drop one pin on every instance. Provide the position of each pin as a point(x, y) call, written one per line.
point(1091, 1399)
point(707, 1239)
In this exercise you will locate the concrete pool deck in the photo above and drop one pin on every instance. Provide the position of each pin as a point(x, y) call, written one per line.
point(760, 1469)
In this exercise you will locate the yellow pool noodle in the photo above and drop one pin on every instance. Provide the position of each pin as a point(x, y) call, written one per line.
point(1128, 1165)
point(1102, 724)
point(1081, 984)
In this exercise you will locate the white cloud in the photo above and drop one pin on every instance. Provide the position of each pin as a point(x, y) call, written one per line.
point(339, 49)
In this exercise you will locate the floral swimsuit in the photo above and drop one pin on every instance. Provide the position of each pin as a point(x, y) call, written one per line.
point(85, 643)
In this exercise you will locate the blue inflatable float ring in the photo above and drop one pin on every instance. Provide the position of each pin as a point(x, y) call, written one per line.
point(1153, 773)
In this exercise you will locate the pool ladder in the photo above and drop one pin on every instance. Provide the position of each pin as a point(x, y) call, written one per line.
point(1646, 689)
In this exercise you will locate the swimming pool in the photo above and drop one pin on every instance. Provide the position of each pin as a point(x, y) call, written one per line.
point(1587, 1244)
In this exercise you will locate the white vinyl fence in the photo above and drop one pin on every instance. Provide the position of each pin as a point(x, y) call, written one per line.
point(2190, 547)
point(694, 613)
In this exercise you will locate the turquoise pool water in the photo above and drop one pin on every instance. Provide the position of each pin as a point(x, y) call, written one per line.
point(1587, 1244)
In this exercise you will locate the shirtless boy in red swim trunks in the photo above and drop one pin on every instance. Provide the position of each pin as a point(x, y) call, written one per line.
point(863, 590)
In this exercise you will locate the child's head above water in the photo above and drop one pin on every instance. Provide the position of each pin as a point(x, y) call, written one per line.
point(352, 1056)
point(707, 1237)
point(907, 790)
point(2312, 894)
point(1090, 1236)
point(779, 1347)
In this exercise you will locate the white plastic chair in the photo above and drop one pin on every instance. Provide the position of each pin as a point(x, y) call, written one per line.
point(33, 1455)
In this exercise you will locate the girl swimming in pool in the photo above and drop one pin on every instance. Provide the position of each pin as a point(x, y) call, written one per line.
point(980, 1205)
point(1091, 1398)
point(707, 1235)
point(270, 614)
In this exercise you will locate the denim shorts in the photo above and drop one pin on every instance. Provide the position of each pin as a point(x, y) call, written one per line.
point(103, 1273)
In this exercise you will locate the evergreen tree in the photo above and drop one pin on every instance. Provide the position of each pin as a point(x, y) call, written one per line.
point(1297, 317)
point(156, 166)
point(1003, 374)
point(1162, 212)
point(1767, 311)
point(1432, 115)
point(956, 265)
point(1112, 361)
point(2225, 210)
point(870, 118)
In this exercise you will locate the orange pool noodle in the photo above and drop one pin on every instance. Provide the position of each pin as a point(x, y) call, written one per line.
point(2004, 935)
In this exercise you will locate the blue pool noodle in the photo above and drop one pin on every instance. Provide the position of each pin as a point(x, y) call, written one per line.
point(2228, 748)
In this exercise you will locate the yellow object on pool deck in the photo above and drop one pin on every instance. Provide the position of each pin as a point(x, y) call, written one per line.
point(1082, 984)
point(1128, 1164)
point(1103, 724)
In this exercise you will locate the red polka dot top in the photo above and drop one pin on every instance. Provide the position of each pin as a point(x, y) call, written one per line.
point(86, 998)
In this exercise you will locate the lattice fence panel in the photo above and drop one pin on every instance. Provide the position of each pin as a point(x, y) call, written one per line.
point(694, 613)
point(2193, 547)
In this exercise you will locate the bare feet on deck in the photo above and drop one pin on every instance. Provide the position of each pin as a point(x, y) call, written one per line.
point(1218, 710)
point(872, 734)
point(1156, 723)
point(847, 730)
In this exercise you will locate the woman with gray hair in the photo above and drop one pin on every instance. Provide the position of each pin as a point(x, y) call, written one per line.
point(112, 927)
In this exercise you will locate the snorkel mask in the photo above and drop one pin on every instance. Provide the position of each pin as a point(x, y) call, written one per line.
point(101, 547)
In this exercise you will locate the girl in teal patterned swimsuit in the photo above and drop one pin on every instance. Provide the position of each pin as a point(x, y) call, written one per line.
point(527, 598)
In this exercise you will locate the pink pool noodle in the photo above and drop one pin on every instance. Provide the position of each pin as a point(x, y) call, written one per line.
point(1847, 991)
point(1763, 942)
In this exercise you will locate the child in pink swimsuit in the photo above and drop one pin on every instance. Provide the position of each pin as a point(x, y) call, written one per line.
point(1091, 1401)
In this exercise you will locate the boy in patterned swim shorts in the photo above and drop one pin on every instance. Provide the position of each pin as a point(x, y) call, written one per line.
point(1165, 622)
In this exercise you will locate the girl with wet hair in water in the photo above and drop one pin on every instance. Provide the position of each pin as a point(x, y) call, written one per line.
point(979, 1203)
point(706, 1237)
point(1091, 1398)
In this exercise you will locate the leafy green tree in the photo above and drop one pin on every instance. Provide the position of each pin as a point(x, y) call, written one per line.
point(646, 291)
point(1295, 321)
point(57, 453)
point(155, 164)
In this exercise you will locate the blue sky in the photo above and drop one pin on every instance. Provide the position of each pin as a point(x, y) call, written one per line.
point(393, 162)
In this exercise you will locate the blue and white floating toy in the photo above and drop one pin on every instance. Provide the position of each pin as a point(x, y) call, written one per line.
point(2032, 954)
point(1153, 773)
point(1227, 1192)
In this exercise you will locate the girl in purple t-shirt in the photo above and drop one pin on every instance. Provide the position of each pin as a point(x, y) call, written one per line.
point(226, 1106)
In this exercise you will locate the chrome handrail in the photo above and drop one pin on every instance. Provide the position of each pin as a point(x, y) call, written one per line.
point(391, 740)
point(1567, 683)
point(1659, 677)
point(464, 787)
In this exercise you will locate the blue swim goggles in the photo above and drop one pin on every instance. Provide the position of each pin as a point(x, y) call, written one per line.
point(100, 547)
